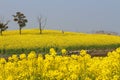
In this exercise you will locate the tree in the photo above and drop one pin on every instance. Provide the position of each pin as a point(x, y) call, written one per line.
point(62, 31)
point(42, 23)
point(3, 26)
point(20, 19)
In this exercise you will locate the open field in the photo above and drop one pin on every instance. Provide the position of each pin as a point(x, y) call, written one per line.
point(12, 42)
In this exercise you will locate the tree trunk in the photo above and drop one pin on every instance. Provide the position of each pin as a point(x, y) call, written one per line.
point(1, 32)
point(40, 26)
point(20, 30)
point(40, 31)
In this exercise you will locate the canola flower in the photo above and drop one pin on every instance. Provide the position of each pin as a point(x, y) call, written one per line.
point(57, 67)
point(63, 51)
point(52, 52)
point(23, 56)
point(31, 39)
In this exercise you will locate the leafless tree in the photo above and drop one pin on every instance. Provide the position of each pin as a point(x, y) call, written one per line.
point(62, 31)
point(42, 23)
point(20, 19)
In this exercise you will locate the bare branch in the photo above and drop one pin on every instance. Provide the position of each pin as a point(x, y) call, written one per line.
point(7, 23)
point(45, 22)
point(42, 23)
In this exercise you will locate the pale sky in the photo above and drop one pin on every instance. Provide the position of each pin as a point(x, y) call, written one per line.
point(70, 15)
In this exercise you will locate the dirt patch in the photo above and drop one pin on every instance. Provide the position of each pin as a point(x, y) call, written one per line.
point(93, 52)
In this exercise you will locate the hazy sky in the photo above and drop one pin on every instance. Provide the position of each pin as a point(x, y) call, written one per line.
point(70, 15)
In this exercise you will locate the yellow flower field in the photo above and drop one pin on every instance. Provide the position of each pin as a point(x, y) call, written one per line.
point(53, 38)
point(61, 67)
point(52, 65)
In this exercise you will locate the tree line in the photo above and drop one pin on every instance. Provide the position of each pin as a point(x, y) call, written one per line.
point(21, 20)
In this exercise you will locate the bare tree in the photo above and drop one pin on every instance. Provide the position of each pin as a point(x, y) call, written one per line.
point(42, 23)
point(20, 19)
point(62, 30)
point(3, 26)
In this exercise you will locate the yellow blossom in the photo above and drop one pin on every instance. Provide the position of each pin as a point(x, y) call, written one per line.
point(31, 55)
point(22, 56)
point(52, 51)
point(2, 60)
point(63, 51)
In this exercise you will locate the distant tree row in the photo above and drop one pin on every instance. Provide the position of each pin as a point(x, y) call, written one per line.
point(21, 20)
point(106, 32)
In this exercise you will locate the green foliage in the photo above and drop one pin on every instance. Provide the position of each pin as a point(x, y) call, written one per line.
point(43, 50)
point(20, 19)
point(3, 26)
